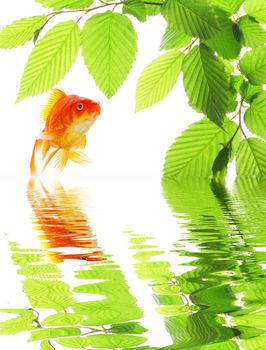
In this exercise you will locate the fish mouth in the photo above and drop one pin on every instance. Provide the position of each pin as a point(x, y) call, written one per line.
point(98, 109)
point(95, 114)
point(92, 113)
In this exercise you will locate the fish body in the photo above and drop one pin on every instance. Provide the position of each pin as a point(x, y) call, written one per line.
point(67, 119)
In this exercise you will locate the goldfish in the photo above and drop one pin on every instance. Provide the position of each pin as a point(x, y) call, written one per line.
point(67, 119)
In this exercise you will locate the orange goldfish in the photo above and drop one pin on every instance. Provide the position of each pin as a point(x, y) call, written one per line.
point(67, 119)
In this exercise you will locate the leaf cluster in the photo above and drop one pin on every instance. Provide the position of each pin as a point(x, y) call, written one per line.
point(218, 45)
point(107, 321)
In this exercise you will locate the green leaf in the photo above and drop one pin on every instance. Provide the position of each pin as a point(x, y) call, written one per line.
point(40, 270)
point(103, 313)
point(63, 319)
point(256, 343)
point(108, 341)
point(195, 18)
point(206, 83)
point(54, 333)
point(248, 332)
point(50, 60)
point(110, 309)
point(219, 168)
point(166, 289)
point(256, 319)
point(109, 49)
point(231, 6)
point(21, 31)
point(67, 4)
point(256, 9)
point(158, 79)
point(255, 116)
point(228, 67)
point(48, 294)
point(224, 42)
point(75, 343)
point(174, 39)
point(135, 8)
point(236, 81)
point(232, 106)
point(24, 322)
point(45, 345)
point(248, 91)
point(253, 65)
point(193, 153)
point(128, 328)
point(234, 87)
point(151, 270)
point(147, 254)
point(153, 10)
point(250, 158)
point(252, 34)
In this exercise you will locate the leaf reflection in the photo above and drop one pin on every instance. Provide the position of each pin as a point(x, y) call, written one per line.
point(217, 304)
point(57, 316)
point(227, 278)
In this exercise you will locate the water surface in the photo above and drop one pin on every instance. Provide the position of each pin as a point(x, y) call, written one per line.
point(146, 267)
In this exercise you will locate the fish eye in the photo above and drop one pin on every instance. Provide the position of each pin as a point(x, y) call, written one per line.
point(79, 106)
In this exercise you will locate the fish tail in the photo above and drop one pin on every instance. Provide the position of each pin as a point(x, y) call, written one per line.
point(36, 147)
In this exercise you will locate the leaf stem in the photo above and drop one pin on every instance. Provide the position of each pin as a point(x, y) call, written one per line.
point(104, 4)
point(239, 115)
point(190, 45)
point(86, 10)
point(240, 119)
point(37, 317)
point(49, 342)
point(232, 138)
point(153, 3)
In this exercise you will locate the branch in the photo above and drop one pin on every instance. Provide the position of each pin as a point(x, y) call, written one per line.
point(153, 3)
point(86, 10)
point(239, 115)
point(104, 4)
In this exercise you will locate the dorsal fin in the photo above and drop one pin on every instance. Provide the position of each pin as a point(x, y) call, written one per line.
point(54, 96)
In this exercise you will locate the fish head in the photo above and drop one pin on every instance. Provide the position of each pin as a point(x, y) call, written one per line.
point(79, 114)
point(84, 108)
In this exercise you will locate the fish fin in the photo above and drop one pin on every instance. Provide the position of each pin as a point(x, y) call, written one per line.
point(48, 159)
point(45, 148)
point(36, 148)
point(54, 96)
point(60, 160)
point(51, 135)
point(79, 157)
point(81, 143)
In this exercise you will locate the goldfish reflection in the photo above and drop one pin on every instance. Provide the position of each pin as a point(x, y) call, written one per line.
point(62, 224)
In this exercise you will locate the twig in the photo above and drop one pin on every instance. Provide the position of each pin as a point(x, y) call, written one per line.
point(153, 3)
point(87, 10)
point(190, 45)
point(240, 119)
